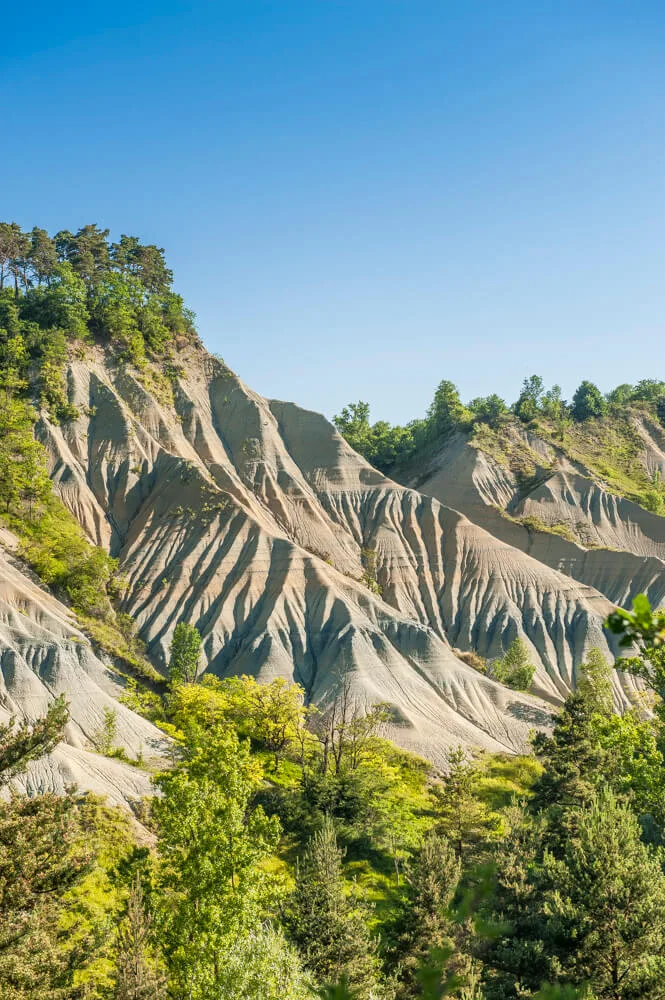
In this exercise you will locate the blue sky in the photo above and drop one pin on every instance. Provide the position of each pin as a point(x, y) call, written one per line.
point(362, 198)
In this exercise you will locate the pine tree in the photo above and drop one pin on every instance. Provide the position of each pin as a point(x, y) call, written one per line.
point(329, 931)
point(574, 763)
point(41, 858)
point(137, 976)
point(605, 906)
point(426, 923)
point(462, 817)
point(30, 741)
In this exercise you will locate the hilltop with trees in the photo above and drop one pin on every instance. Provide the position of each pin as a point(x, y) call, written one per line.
point(594, 428)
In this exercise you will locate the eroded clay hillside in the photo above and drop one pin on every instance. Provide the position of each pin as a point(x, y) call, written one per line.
point(563, 512)
point(252, 519)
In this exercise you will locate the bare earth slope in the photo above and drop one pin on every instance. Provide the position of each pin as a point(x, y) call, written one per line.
point(595, 536)
point(42, 655)
point(248, 518)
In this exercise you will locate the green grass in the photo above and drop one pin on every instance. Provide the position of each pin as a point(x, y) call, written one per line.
point(610, 448)
point(503, 778)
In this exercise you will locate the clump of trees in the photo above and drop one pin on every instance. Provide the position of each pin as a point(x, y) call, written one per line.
point(55, 290)
point(81, 285)
point(515, 669)
point(390, 447)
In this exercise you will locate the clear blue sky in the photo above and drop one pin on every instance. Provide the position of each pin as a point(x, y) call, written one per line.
point(362, 198)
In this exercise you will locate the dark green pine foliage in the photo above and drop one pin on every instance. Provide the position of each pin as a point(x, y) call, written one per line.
point(324, 923)
point(463, 818)
point(426, 924)
point(574, 762)
point(29, 741)
point(605, 904)
point(41, 857)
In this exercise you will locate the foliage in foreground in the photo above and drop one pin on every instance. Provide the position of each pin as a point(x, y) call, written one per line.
point(298, 854)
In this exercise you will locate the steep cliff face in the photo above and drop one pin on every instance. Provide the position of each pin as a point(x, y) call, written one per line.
point(252, 519)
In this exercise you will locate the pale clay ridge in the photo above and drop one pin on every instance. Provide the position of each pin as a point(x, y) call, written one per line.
point(247, 518)
point(621, 551)
point(42, 655)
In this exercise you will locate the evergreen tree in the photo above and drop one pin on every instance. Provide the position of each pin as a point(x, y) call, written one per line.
point(594, 682)
point(462, 817)
point(604, 901)
point(21, 744)
point(426, 923)
point(137, 975)
point(588, 402)
point(329, 931)
point(41, 858)
point(185, 653)
point(574, 763)
point(42, 255)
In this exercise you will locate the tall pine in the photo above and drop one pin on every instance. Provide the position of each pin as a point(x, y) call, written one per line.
point(328, 929)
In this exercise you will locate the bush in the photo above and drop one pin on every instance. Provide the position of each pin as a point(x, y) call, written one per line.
point(514, 669)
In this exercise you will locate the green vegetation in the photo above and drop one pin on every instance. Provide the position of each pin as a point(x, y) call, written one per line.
point(79, 286)
point(298, 854)
point(596, 431)
point(514, 669)
point(185, 654)
point(56, 294)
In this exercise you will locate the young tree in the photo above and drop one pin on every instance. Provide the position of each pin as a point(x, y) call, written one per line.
point(514, 669)
point(426, 923)
point(328, 930)
point(588, 402)
point(212, 886)
point(138, 977)
point(594, 682)
point(185, 653)
point(106, 736)
point(462, 817)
